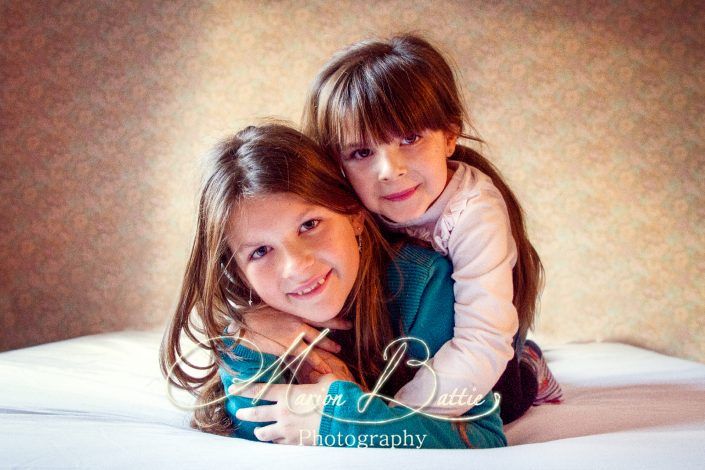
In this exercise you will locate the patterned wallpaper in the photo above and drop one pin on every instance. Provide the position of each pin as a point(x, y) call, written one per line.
point(593, 110)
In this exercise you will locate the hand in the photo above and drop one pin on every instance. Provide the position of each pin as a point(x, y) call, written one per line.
point(297, 411)
point(274, 331)
point(339, 370)
point(306, 374)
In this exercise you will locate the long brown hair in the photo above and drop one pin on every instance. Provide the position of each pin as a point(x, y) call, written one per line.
point(375, 90)
point(268, 159)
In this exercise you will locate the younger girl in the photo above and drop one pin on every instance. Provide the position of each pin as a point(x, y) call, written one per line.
point(390, 113)
point(279, 226)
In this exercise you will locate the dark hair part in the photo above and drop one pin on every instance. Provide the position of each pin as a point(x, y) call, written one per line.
point(262, 160)
point(375, 90)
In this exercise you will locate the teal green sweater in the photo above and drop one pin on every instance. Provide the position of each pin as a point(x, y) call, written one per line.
point(424, 302)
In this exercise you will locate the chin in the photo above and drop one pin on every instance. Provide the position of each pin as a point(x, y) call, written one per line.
point(327, 317)
point(313, 315)
point(329, 313)
point(405, 219)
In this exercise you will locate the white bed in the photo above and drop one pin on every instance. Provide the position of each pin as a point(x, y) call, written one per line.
point(99, 401)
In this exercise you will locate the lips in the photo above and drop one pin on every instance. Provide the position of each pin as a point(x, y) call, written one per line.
point(312, 287)
point(401, 195)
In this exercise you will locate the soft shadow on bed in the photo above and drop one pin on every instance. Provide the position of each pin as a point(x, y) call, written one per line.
point(601, 410)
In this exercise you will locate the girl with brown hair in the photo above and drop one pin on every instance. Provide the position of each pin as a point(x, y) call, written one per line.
point(389, 113)
point(279, 228)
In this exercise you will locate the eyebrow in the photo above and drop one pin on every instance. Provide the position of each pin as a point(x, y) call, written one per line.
point(300, 216)
point(359, 145)
point(247, 245)
point(352, 146)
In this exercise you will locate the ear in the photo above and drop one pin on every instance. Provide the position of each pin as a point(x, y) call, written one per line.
point(358, 222)
point(451, 136)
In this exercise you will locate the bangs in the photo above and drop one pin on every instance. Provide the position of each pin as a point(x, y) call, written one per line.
point(386, 98)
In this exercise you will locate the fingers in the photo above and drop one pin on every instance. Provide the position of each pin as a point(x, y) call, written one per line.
point(312, 358)
point(310, 335)
point(333, 324)
point(302, 376)
point(278, 434)
point(314, 376)
point(257, 414)
point(268, 433)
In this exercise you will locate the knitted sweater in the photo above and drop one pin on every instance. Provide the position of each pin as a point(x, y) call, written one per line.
point(424, 304)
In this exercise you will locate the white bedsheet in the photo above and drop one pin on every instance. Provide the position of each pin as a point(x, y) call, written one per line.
point(99, 401)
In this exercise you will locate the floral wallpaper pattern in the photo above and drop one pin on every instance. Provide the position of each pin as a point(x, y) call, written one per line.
point(593, 110)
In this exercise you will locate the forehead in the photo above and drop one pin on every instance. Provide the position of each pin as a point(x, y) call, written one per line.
point(253, 213)
point(261, 218)
point(354, 134)
point(359, 113)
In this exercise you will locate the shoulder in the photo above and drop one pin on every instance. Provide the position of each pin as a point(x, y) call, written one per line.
point(414, 276)
point(417, 262)
point(473, 183)
point(476, 203)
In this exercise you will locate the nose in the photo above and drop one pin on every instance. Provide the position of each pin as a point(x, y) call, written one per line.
point(297, 258)
point(390, 163)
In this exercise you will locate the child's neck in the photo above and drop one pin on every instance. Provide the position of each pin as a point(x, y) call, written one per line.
point(449, 176)
point(451, 172)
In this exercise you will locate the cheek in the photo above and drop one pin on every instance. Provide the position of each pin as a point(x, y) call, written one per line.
point(262, 279)
point(360, 182)
point(354, 264)
point(343, 247)
point(353, 259)
point(434, 168)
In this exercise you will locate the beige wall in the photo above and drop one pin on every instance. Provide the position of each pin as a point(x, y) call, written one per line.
point(594, 114)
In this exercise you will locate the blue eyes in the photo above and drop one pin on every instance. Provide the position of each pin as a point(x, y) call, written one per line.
point(310, 224)
point(362, 153)
point(359, 154)
point(305, 227)
point(410, 139)
point(259, 252)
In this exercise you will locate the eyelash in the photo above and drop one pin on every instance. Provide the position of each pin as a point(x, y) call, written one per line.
point(353, 155)
point(252, 256)
point(415, 138)
point(318, 221)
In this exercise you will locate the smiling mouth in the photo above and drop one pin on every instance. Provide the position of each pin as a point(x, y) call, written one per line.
point(312, 288)
point(402, 195)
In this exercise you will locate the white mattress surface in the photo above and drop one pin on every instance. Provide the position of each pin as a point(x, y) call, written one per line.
point(100, 402)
